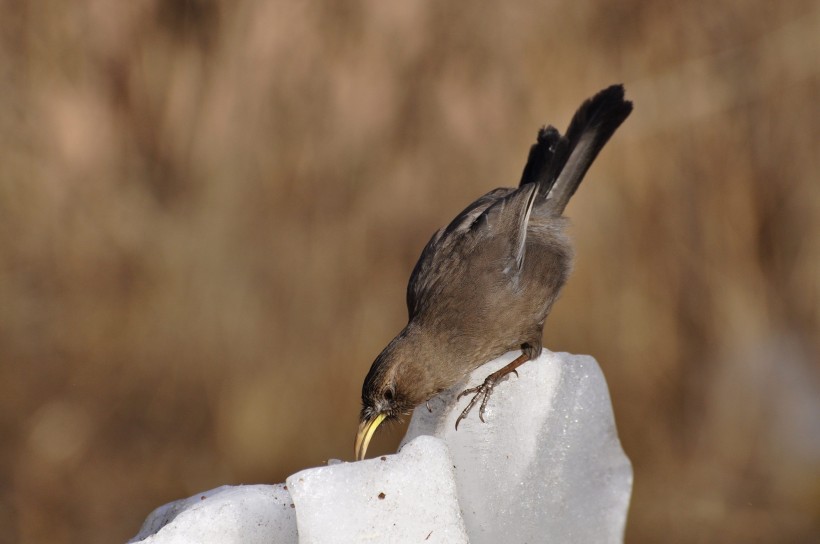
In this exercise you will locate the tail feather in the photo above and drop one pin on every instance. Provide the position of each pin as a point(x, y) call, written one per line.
point(541, 156)
point(558, 164)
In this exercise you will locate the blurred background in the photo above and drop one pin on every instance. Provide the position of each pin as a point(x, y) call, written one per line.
point(209, 211)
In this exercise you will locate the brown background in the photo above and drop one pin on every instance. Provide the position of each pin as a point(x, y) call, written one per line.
point(209, 211)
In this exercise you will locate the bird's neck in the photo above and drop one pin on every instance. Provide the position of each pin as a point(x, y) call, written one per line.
point(434, 356)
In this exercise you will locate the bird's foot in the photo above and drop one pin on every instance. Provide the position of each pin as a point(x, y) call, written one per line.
point(484, 390)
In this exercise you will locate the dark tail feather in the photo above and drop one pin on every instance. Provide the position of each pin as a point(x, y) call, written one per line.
point(591, 127)
point(538, 162)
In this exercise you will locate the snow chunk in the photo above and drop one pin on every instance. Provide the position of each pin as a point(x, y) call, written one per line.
point(250, 514)
point(547, 465)
point(407, 497)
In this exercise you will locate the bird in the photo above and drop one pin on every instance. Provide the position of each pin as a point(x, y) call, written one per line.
point(485, 283)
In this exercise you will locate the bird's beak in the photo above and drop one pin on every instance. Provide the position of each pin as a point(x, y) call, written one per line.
point(366, 430)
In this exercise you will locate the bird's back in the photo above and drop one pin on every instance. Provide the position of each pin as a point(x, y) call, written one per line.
point(490, 277)
point(468, 280)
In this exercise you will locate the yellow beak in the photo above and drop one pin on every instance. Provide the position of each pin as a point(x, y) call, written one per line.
point(366, 430)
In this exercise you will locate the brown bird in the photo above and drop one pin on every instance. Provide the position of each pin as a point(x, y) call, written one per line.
point(485, 283)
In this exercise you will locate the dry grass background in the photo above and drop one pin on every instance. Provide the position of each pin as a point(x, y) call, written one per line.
point(209, 211)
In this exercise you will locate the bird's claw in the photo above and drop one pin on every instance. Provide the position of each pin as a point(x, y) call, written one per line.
point(483, 392)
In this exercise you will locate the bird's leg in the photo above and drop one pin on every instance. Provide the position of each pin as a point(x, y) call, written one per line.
point(484, 390)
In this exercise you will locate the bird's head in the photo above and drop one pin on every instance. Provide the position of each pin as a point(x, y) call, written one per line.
point(399, 380)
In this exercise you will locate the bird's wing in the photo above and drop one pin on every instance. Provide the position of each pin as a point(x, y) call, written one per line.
point(441, 247)
point(506, 223)
point(495, 224)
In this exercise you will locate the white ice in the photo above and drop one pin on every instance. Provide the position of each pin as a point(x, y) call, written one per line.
point(251, 514)
point(407, 497)
point(546, 466)
point(546, 462)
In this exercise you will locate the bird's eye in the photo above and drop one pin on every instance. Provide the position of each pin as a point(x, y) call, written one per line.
point(388, 395)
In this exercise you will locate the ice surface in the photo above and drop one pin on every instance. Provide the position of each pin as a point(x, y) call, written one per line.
point(547, 465)
point(249, 514)
point(407, 497)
